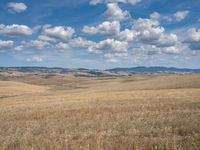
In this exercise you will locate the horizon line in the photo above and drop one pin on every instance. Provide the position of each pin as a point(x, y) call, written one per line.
point(96, 68)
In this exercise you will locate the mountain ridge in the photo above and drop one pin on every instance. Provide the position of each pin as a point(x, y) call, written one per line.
point(103, 72)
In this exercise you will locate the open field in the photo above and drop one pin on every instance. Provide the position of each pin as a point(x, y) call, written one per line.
point(139, 112)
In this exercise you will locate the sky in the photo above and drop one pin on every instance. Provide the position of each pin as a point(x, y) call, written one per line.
point(100, 34)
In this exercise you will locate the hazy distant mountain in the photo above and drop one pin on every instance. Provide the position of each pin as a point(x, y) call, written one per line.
point(96, 72)
point(136, 70)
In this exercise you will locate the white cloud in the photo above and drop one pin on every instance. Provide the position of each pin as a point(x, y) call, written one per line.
point(6, 44)
point(180, 15)
point(128, 35)
point(19, 48)
point(16, 7)
point(193, 38)
point(171, 50)
point(90, 30)
point(149, 30)
point(151, 50)
point(75, 43)
point(81, 42)
point(62, 46)
point(57, 32)
point(147, 33)
point(155, 16)
point(176, 17)
point(115, 13)
point(46, 38)
point(36, 44)
point(15, 30)
point(193, 35)
point(166, 40)
point(109, 45)
point(106, 28)
point(133, 2)
point(35, 59)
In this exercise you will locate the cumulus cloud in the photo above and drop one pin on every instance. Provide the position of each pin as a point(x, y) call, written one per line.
point(46, 38)
point(176, 17)
point(155, 16)
point(34, 59)
point(62, 46)
point(81, 43)
point(112, 45)
point(36, 44)
point(128, 35)
point(166, 40)
point(16, 7)
point(149, 30)
point(6, 44)
point(133, 2)
point(57, 32)
point(193, 35)
point(15, 30)
point(193, 38)
point(115, 13)
point(180, 15)
point(106, 28)
point(142, 32)
point(151, 50)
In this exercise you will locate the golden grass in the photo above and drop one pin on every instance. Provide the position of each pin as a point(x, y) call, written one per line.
point(139, 112)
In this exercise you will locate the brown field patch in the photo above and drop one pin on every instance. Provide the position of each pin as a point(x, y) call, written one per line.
point(141, 112)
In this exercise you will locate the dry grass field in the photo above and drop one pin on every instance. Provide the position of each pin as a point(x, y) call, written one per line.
point(63, 112)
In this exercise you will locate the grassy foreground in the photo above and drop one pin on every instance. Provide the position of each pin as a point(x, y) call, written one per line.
point(141, 112)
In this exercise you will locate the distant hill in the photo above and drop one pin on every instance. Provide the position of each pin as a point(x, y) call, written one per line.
point(136, 70)
point(96, 72)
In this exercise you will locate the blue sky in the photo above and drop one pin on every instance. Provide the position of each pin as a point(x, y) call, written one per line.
point(100, 33)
